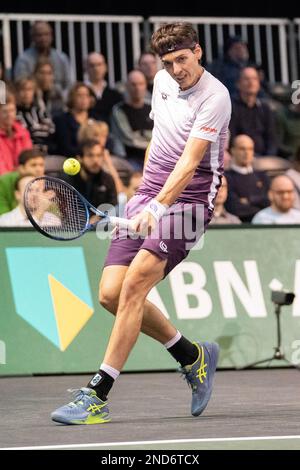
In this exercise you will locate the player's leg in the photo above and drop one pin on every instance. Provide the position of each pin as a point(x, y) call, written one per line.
point(154, 323)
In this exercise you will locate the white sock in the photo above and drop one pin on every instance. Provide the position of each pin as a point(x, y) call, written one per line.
point(173, 341)
point(114, 373)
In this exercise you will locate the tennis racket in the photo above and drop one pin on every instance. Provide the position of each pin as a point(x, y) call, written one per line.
point(59, 211)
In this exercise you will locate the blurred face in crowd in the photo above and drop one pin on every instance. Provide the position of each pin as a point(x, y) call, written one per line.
point(42, 36)
point(183, 66)
point(34, 166)
point(19, 193)
point(96, 67)
point(249, 81)
point(92, 159)
point(45, 77)
point(242, 150)
point(238, 52)
point(148, 65)
point(82, 99)
point(282, 194)
point(7, 115)
point(223, 192)
point(25, 94)
point(136, 85)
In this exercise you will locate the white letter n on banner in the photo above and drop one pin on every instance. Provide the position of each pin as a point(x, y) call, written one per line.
point(250, 296)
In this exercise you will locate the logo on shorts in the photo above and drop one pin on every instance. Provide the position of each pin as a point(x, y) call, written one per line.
point(164, 96)
point(163, 247)
point(96, 379)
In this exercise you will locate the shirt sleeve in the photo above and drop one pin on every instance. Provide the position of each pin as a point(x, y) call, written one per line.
point(213, 114)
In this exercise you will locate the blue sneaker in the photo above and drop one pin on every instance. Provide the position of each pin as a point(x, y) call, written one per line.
point(86, 408)
point(200, 374)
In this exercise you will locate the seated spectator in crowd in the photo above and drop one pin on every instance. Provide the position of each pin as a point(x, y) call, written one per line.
point(13, 136)
point(34, 117)
point(148, 65)
point(282, 198)
point(67, 124)
point(247, 188)
point(288, 124)
point(49, 95)
point(227, 68)
point(18, 217)
point(99, 130)
point(92, 181)
point(253, 116)
point(106, 97)
point(134, 183)
point(221, 216)
point(31, 162)
point(294, 174)
point(131, 122)
point(42, 38)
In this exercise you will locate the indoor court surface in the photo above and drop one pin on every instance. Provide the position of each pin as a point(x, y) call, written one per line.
point(253, 409)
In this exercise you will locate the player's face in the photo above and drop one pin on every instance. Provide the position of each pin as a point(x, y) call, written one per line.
point(183, 66)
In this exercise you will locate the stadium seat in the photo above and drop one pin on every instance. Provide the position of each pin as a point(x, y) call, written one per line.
point(272, 165)
point(54, 165)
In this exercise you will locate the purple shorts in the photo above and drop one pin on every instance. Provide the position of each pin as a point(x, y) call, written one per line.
point(172, 239)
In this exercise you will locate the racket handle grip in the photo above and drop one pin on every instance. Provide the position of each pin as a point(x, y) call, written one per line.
point(121, 222)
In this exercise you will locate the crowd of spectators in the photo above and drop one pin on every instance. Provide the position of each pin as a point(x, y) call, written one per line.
point(47, 115)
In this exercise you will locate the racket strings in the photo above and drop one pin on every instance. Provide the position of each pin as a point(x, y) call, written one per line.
point(56, 208)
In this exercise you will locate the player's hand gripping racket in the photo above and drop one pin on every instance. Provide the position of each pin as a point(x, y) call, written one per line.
point(59, 211)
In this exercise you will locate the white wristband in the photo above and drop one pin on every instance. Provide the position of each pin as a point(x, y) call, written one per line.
point(156, 209)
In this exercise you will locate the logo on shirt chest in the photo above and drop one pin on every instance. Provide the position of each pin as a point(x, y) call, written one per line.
point(164, 95)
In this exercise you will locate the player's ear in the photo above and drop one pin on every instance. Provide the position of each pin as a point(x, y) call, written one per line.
point(198, 51)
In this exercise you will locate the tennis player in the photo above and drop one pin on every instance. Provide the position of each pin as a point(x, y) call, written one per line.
point(191, 110)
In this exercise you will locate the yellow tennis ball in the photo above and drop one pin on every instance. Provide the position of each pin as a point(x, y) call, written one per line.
point(71, 166)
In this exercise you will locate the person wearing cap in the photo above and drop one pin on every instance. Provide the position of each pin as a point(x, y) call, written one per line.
point(227, 68)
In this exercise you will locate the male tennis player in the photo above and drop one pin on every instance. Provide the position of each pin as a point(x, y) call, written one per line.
point(191, 111)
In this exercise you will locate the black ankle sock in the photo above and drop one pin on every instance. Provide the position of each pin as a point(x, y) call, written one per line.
point(184, 351)
point(101, 383)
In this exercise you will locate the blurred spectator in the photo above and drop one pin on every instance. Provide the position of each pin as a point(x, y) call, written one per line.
point(13, 136)
point(282, 197)
point(34, 117)
point(247, 188)
point(148, 65)
point(42, 38)
point(294, 174)
point(227, 155)
point(253, 116)
point(49, 95)
point(227, 68)
point(131, 122)
point(134, 183)
point(92, 181)
point(80, 101)
point(106, 98)
point(31, 162)
point(221, 216)
point(288, 122)
point(99, 130)
point(18, 217)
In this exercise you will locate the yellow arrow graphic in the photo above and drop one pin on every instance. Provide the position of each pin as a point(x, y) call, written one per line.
point(70, 311)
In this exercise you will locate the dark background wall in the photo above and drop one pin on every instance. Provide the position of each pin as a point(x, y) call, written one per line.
point(251, 8)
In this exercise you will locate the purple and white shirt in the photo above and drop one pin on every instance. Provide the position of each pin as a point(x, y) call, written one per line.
point(202, 111)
